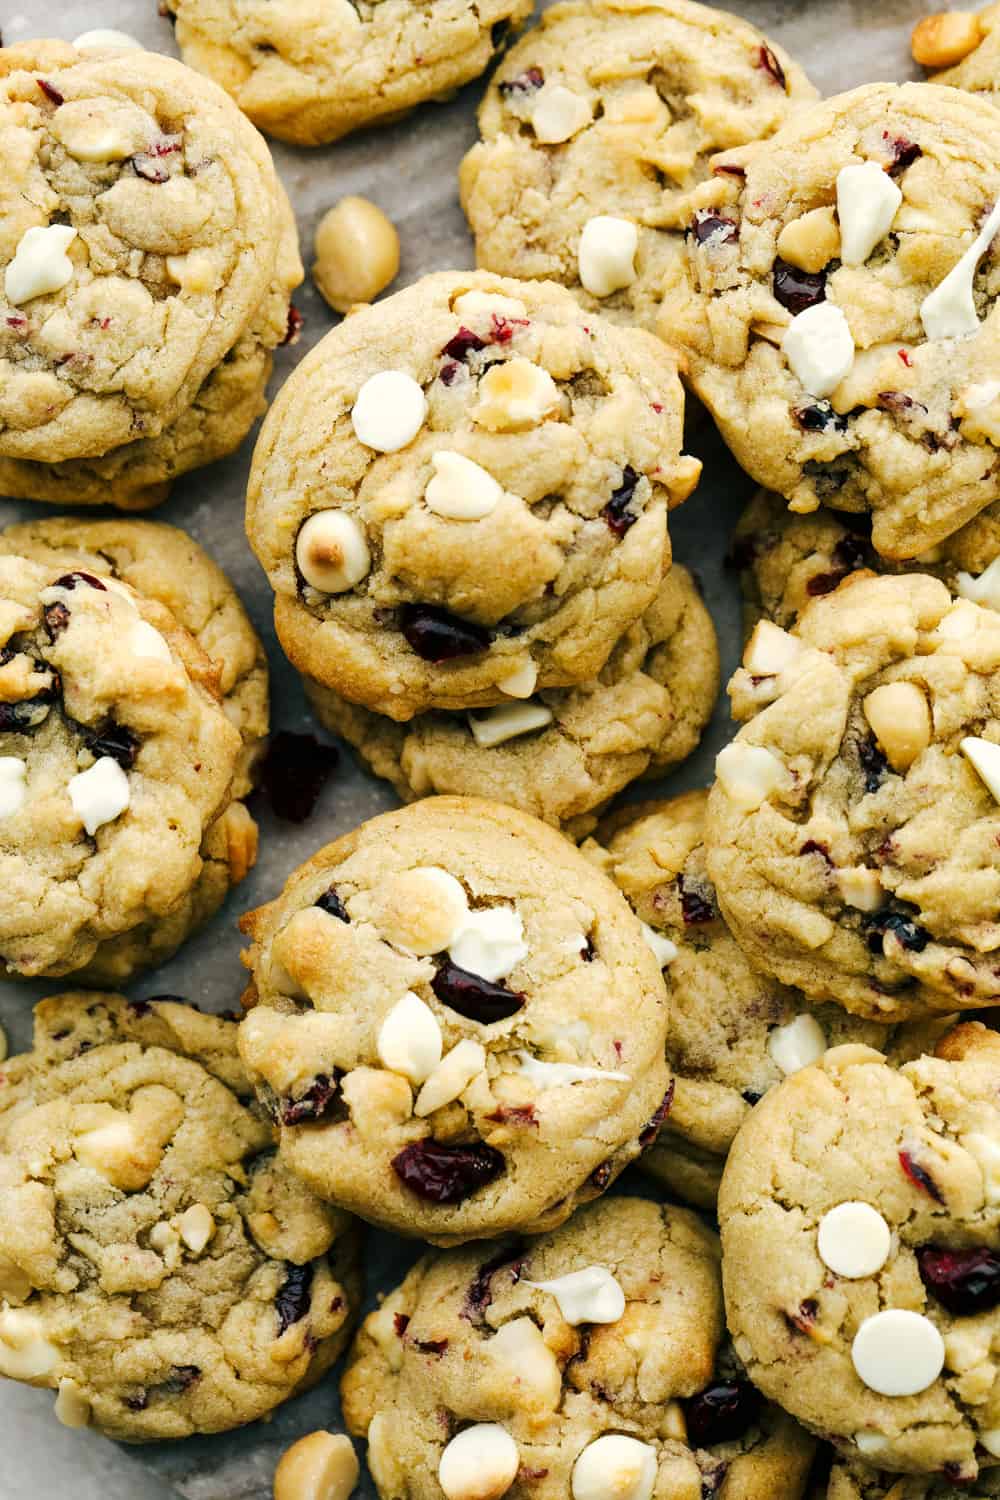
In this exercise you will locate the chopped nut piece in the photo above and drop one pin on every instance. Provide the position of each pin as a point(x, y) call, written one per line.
point(320, 1466)
point(941, 40)
point(357, 253)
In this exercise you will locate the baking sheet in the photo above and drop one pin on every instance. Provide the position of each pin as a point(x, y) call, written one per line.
point(410, 171)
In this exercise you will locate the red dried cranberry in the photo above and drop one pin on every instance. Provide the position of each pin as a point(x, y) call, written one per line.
point(828, 478)
point(56, 618)
point(474, 997)
point(448, 372)
point(903, 152)
point(601, 1176)
point(115, 741)
point(140, 1007)
point(900, 404)
point(294, 1296)
point(436, 636)
point(434, 1347)
point(294, 326)
point(752, 1097)
point(150, 168)
point(907, 933)
point(313, 1104)
point(652, 1128)
point(18, 718)
point(920, 1177)
point(181, 1378)
point(819, 417)
point(441, 1173)
point(729, 169)
point(401, 1323)
point(697, 905)
point(812, 847)
point(521, 1116)
point(503, 328)
point(712, 226)
point(50, 91)
point(463, 344)
point(966, 1282)
point(771, 66)
point(525, 83)
point(797, 289)
point(72, 581)
point(617, 513)
point(873, 763)
point(138, 1402)
point(804, 1320)
point(294, 772)
point(480, 1293)
point(721, 1413)
point(331, 902)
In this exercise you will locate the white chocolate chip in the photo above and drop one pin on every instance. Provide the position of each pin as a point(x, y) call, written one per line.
point(494, 726)
point(545, 1075)
point(100, 794)
point(389, 411)
point(332, 551)
point(870, 1445)
point(522, 682)
point(898, 1353)
point(607, 254)
point(475, 304)
point(451, 1077)
point(985, 759)
point(25, 1352)
point(949, 312)
point(320, 1466)
point(748, 774)
point(990, 1440)
point(770, 650)
point(515, 395)
point(13, 790)
point(861, 888)
point(481, 1463)
point(409, 1039)
point(797, 1044)
point(984, 589)
point(113, 1149)
point(95, 133)
point(559, 114)
point(615, 1467)
point(663, 950)
point(867, 203)
point(985, 1150)
point(819, 347)
point(900, 720)
point(588, 1296)
point(145, 640)
point(196, 1227)
point(421, 909)
point(460, 489)
point(40, 263)
point(854, 1240)
point(72, 1408)
point(105, 39)
point(489, 942)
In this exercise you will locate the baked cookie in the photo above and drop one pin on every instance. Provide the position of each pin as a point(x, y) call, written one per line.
point(598, 130)
point(838, 308)
point(564, 753)
point(734, 1032)
point(161, 1270)
point(148, 253)
point(966, 48)
point(129, 733)
point(456, 1022)
point(860, 1217)
point(309, 71)
point(855, 1481)
point(461, 494)
point(852, 828)
point(600, 1369)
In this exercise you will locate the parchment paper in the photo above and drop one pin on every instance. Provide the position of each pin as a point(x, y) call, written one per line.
point(410, 170)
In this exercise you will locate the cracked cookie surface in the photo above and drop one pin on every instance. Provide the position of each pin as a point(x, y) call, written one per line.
point(854, 1481)
point(160, 1269)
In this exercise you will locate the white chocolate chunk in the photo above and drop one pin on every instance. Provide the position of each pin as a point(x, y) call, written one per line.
point(867, 203)
point(748, 774)
point(145, 640)
point(489, 942)
point(870, 1444)
point(105, 39)
point(949, 312)
point(40, 263)
point(559, 114)
point(196, 1227)
point(606, 256)
point(460, 489)
point(13, 790)
point(986, 588)
point(986, 1151)
point(615, 1467)
point(474, 304)
point(819, 347)
point(451, 1077)
point(522, 682)
point(100, 794)
point(332, 551)
point(389, 411)
point(515, 395)
point(25, 1352)
point(854, 1240)
point(422, 909)
point(900, 719)
point(985, 759)
point(797, 1044)
point(521, 1350)
point(861, 888)
point(95, 133)
point(113, 1149)
point(991, 1441)
point(72, 1408)
point(494, 726)
point(588, 1296)
point(898, 1353)
point(481, 1463)
point(770, 650)
point(409, 1039)
point(546, 1075)
point(663, 950)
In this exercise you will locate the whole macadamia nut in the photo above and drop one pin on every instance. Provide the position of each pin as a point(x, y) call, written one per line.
point(357, 253)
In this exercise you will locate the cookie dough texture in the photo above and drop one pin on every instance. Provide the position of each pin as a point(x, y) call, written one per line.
point(520, 1142)
point(193, 727)
point(556, 1387)
point(979, 71)
point(308, 71)
point(910, 434)
point(644, 713)
point(656, 90)
point(577, 421)
point(161, 1270)
point(854, 865)
point(153, 357)
point(854, 1481)
point(911, 1144)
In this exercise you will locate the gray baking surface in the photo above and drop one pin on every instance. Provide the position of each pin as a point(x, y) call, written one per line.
point(410, 170)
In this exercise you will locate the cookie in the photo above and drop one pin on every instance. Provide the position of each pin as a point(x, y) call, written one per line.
point(734, 1032)
point(457, 1022)
point(161, 1270)
point(838, 309)
point(860, 1214)
point(976, 37)
point(562, 754)
point(309, 72)
point(597, 133)
point(461, 495)
point(852, 828)
point(148, 255)
point(129, 734)
point(600, 1364)
point(853, 1481)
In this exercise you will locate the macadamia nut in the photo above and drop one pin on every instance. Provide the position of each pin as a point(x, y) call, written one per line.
point(357, 253)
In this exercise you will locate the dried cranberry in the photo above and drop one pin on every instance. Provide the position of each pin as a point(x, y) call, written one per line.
point(804, 1319)
point(140, 1007)
point(752, 1097)
point(138, 1402)
point(448, 372)
point(909, 934)
point(903, 152)
point(900, 404)
point(331, 902)
point(518, 1115)
point(436, 636)
point(313, 1104)
point(601, 1176)
point(463, 344)
point(966, 1282)
point(525, 83)
point(150, 168)
point(616, 512)
point(652, 1128)
point(819, 417)
point(433, 1347)
point(721, 1413)
point(728, 169)
point(770, 64)
point(56, 618)
point(480, 1293)
point(294, 772)
point(828, 478)
point(797, 289)
point(441, 1173)
point(50, 91)
point(114, 741)
point(712, 226)
point(474, 997)
point(18, 718)
point(920, 1177)
point(697, 905)
point(295, 1295)
point(503, 328)
point(873, 763)
point(812, 847)
point(401, 1323)
point(72, 581)
point(294, 326)
point(181, 1378)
